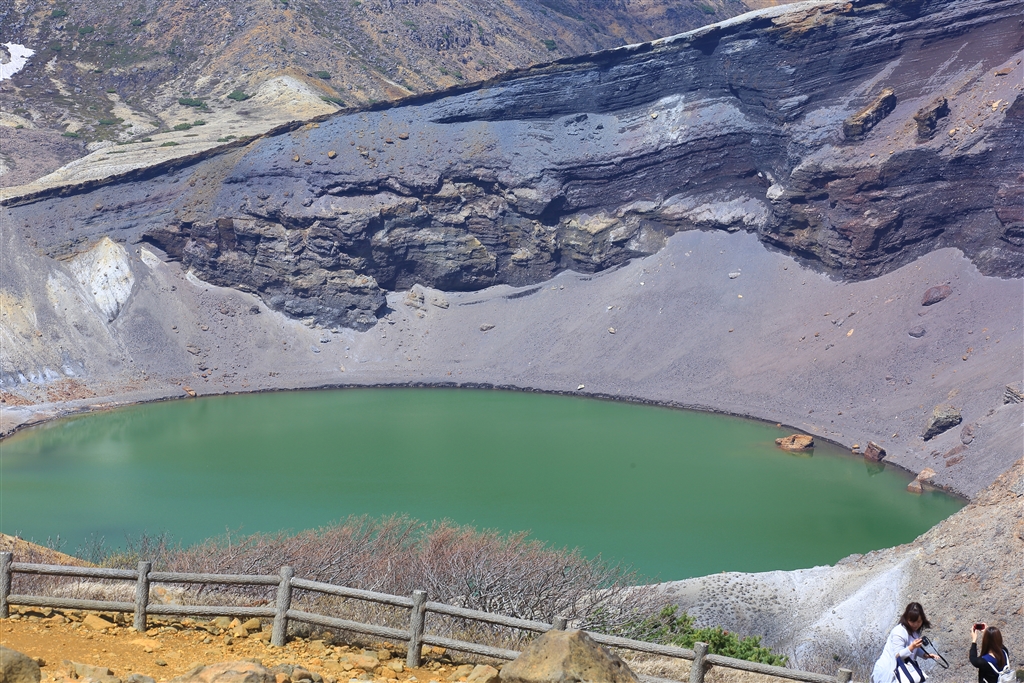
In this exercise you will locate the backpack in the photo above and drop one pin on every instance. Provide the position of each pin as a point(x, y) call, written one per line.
point(1006, 675)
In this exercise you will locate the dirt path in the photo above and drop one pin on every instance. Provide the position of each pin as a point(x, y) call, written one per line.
point(173, 648)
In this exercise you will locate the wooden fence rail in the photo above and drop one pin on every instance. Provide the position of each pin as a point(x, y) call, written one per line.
point(282, 613)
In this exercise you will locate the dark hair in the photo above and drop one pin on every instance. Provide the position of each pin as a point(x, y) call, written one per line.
point(992, 642)
point(912, 613)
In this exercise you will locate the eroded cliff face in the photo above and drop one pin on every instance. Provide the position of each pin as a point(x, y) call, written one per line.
point(589, 162)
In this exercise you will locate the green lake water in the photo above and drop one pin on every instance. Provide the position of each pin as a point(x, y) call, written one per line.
point(674, 493)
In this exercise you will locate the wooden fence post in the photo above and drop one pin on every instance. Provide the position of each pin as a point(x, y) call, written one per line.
point(844, 675)
point(142, 596)
point(559, 623)
point(5, 583)
point(697, 667)
point(284, 603)
point(417, 619)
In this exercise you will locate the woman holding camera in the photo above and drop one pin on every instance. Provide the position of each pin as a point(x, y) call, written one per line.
point(904, 644)
point(994, 655)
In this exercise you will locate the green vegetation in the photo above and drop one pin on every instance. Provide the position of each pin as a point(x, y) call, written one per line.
point(183, 126)
point(668, 628)
point(322, 74)
point(706, 9)
point(85, 30)
point(238, 96)
point(411, 24)
point(69, 134)
point(199, 122)
point(58, 14)
point(226, 138)
point(550, 44)
point(18, 127)
point(146, 140)
point(356, 3)
point(192, 102)
point(137, 22)
point(56, 47)
point(169, 143)
point(334, 100)
point(110, 122)
point(111, 90)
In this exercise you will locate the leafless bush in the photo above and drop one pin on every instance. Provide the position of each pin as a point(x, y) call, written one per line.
point(486, 570)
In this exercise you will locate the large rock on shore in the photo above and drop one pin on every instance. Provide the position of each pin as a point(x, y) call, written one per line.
point(566, 657)
point(795, 442)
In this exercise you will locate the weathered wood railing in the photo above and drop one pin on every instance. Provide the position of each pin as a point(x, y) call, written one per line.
point(282, 613)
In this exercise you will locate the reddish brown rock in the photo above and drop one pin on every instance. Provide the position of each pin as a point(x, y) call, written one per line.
point(874, 452)
point(795, 442)
point(934, 295)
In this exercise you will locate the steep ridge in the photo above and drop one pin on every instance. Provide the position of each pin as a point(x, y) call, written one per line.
point(114, 70)
point(778, 122)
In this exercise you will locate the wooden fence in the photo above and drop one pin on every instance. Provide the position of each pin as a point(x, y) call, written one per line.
point(282, 613)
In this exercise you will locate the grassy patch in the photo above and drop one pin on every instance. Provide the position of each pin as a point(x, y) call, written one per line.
point(322, 74)
point(550, 44)
point(110, 122)
point(238, 96)
point(58, 14)
point(56, 47)
point(411, 24)
point(86, 30)
point(137, 22)
point(199, 122)
point(69, 134)
point(111, 90)
point(706, 9)
point(169, 143)
point(146, 140)
point(192, 102)
point(183, 126)
point(333, 100)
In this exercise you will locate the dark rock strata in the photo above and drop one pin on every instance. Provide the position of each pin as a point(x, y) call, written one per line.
point(589, 162)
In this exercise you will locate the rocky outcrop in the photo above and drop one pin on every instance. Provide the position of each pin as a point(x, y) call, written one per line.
point(795, 442)
point(589, 162)
point(858, 125)
point(565, 657)
point(16, 667)
point(943, 417)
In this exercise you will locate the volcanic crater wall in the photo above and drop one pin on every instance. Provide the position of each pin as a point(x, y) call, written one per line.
point(855, 135)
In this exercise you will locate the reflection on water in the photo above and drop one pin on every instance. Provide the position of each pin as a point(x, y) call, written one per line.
point(676, 493)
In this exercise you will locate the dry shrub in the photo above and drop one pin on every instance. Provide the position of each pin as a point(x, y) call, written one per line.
point(501, 573)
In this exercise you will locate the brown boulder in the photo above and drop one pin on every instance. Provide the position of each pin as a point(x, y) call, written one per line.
point(934, 295)
point(795, 442)
point(874, 452)
point(566, 657)
point(17, 668)
point(228, 672)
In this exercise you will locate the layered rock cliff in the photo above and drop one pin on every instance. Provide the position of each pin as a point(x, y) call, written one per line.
point(855, 135)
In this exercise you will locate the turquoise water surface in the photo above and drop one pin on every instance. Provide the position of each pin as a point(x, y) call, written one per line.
point(674, 493)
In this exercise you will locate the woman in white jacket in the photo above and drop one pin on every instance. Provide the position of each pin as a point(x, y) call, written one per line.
point(904, 642)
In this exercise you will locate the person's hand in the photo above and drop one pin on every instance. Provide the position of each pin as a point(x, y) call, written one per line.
point(915, 644)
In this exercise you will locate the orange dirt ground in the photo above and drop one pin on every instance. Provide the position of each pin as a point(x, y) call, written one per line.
point(173, 648)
